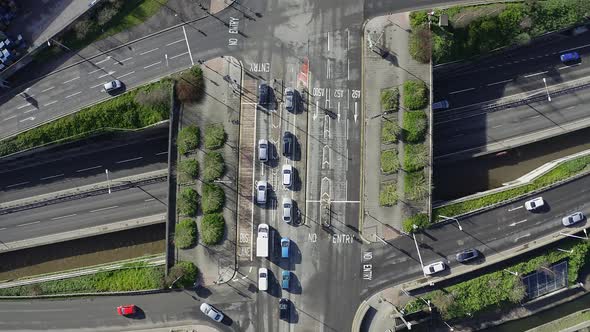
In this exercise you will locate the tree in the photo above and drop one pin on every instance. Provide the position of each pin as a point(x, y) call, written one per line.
point(83, 28)
point(189, 85)
point(420, 44)
point(518, 292)
point(182, 274)
point(105, 15)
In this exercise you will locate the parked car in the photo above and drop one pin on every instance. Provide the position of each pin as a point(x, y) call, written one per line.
point(287, 144)
point(441, 105)
point(126, 310)
point(287, 175)
point(263, 94)
point(285, 242)
point(261, 187)
point(290, 100)
point(434, 268)
point(287, 210)
point(467, 255)
point(534, 203)
point(284, 309)
point(112, 86)
point(572, 218)
point(286, 277)
point(262, 279)
point(263, 150)
point(569, 57)
point(211, 312)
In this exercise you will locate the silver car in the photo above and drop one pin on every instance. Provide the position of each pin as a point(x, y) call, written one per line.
point(572, 219)
point(263, 150)
point(287, 210)
point(261, 187)
point(112, 86)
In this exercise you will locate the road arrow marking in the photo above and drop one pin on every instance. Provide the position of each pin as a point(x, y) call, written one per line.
point(516, 208)
point(516, 223)
point(31, 118)
point(317, 106)
point(356, 114)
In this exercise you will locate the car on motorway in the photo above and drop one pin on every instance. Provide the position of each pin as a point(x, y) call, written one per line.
point(284, 309)
point(435, 267)
point(287, 144)
point(263, 150)
point(569, 57)
point(287, 175)
point(211, 312)
point(287, 210)
point(534, 204)
point(263, 94)
point(112, 86)
point(286, 277)
point(127, 310)
point(572, 218)
point(262, 279)
point(261, 187)
point(440, 105)
point(285, 242)
point(290, 100)
point(467, 255)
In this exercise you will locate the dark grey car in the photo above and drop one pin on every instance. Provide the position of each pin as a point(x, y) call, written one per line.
point(467, 255)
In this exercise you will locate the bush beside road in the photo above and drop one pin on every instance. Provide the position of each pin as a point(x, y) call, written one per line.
point(213, 228)
point(188, 139)
point(185, 234)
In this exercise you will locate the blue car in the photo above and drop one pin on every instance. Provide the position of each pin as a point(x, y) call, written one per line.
point(570, 57)
point(285, 247)
point(285, 279)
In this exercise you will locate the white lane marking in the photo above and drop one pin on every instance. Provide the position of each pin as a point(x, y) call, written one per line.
point(499, 82)
point(129, 58)
point(25, 112)
point(564, 67)
point(146, 52)
point(104, 208)
point(516, 223)
point(107, 74)
point(174, 42)
point(188, 46)
point(457, 135)
point(107, 59)
point(176, 56)
point(3, 228)
point(575, 48)
point(87, 169)
point(23, 106)
point(534, 116)
point(47, 89)
point(347, 39)
point(328, 68)
point(498, 126)
point(535, 74)
point(73, 79)
point(17, 184)
point(73, 94)
point(96, 86)
point(94, 71)
point(69, 215)
point(459, 91)
point(30, 118)
point(51, 177)
point(516, 208)
point(50, 103)
point(522, 237)
point(129, 73)
point(153, 64)
point(10, 117)
point(328, 33)
point(149, 199)
point(348, 69)
point(127, 160)
point(160, 153)
point(29, 223)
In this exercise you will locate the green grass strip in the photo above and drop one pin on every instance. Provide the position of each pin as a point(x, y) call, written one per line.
point(564, 322)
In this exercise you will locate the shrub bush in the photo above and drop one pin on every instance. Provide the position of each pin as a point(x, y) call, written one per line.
point(214, 166)
point(416, 186)
point(188, 202)
point(390, 130)
point(388, 194)
point(416, 157)
point(415, 95)
point(214, 136)
point(189, 85)
point(420, 220)
point(158, 97)
point(84, 27)
point(420, 44)
point(182, 274)
point(212, 228)
point(185, 235)
point(390, 99)
point(418, 18)
point(389, 161)
point(213, 198)
point(414, 126)
point(189, 170)
point(188, 139)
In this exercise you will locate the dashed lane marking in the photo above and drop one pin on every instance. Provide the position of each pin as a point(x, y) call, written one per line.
point(89, 168)
point(459, 91)
point(50, 103)
point(174, 42)
point(29, 223)
point(73, 79)
point(146, 52)
point(127, 160)
point(153, 64)
point(69, 215)
point(104, 208)
point(73, 94)
point(51, 177)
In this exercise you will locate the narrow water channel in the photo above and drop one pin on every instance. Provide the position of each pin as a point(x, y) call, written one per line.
point(467, 177)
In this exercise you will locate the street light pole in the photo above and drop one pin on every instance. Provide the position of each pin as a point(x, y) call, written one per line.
point(571, 251)
point(108, 181)
point(511, 272)
point(575, 236)
point(418, 250)
point(455, 219)
point(546, 89)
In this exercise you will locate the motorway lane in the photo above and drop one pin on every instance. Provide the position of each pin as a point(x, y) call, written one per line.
point(82, 213)
point(495, 231)
point(84, 163)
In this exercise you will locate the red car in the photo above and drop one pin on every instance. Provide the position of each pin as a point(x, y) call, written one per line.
point(126, 310)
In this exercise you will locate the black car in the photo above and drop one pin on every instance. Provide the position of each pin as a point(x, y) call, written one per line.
point(263, 94)
point(287, 144)
point(284, 309)
point(467, 255)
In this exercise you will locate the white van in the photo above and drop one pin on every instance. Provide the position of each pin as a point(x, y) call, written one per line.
point(262, 279)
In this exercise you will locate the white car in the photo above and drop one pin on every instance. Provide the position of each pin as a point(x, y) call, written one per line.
point(211, 312)
point(434, 268)
point(287, 210)
point(572, 219)
point(263, 150)
point(112, 86)
point(262, 279)
point(287, 175)
point(261, 187)
point(534, 203)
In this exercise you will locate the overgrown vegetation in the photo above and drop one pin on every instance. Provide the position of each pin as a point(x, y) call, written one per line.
point(214, 136)
point(188, 139)
point(415, 95)
point(501, 289)
point(416, 157)
point(559, 173)
point(212, 228)
point(134, 276)
point(390, 131)
point(414, 125)
point(389, 161)
point(420, 220)
point(390, 100)
point(182, 274)
point(122, 112)
point(214, 166)
point(415, 186)
point(188, 202)
point(213, 198)
point(388, 195)
point(190, 85)
point(420, 44)
point(188, 170)
point(185, 234)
